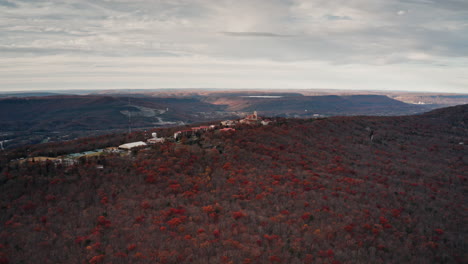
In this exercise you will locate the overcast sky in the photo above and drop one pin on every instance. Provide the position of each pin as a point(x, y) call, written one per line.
point(411, 45)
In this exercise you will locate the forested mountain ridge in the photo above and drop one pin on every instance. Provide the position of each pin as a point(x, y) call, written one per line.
point(38, 119)
point(91, 112)
point(295, 191)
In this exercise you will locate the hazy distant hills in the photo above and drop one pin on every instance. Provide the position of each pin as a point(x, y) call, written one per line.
point(447, 100)
point(323, 105)
point(39, 118)
point(31, 120)
point(26, 94)
point(96, 112)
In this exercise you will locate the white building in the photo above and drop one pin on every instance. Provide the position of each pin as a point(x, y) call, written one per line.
point(129, 146)
point(228, 123)
point(250, 119)
point(266, 122)
point(155, 140)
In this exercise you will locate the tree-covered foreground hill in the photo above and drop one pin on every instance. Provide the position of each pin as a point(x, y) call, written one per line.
point(295, 191)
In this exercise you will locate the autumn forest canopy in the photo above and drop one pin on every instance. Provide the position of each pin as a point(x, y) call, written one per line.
point(328, 190)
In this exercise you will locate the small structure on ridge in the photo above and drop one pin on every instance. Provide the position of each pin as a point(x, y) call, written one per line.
point(129, 146)
point(250, 119)
point(155, 139)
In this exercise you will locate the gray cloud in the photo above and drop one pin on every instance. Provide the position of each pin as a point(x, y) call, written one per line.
point(334, 34)
point(333, 17)
point(455, 5)
point(254, 34)
point(6, 3)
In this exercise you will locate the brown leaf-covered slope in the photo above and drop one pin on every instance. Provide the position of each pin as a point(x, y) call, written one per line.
point(297, 191)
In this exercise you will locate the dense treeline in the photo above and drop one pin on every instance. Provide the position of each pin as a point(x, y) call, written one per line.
point(81, 144)
point(297, 191)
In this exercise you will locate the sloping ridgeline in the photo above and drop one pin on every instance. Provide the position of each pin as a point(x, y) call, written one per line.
point(292, 104)
point(93, 112)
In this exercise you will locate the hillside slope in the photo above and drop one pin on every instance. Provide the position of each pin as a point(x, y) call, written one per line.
point(32, 120)
point(290, 104)
point(95, 112)
point(297, 191)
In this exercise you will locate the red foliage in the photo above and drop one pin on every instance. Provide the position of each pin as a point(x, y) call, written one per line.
point(227, 166)
point(174, 211)
point(349, 228)
point(151, 176)
point(383, 220)
point(102, 221)
point(274, 259)
point(216, 233)
point(208, 209)
point(326, 253)
point(104, 200)
point(80, 239)
point(145, 205)
point(176, 221)
point(140, 219)
point(271, 237)
point(121, 255)
point(50, 198)
point(396, 212)
point(29, 206)
point(175, 187)
point(266, 194)
point(131, 247)
point(96, 259)
point(381, 247)
point(238, 215)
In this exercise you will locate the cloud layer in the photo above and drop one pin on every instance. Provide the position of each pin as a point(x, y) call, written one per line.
point(356, 44)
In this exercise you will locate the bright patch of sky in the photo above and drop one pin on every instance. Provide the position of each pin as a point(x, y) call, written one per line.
point(413, 45)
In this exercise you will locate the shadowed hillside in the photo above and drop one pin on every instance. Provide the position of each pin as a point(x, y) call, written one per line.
point(298, 105)
point(95, 112)
point(33, 120)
